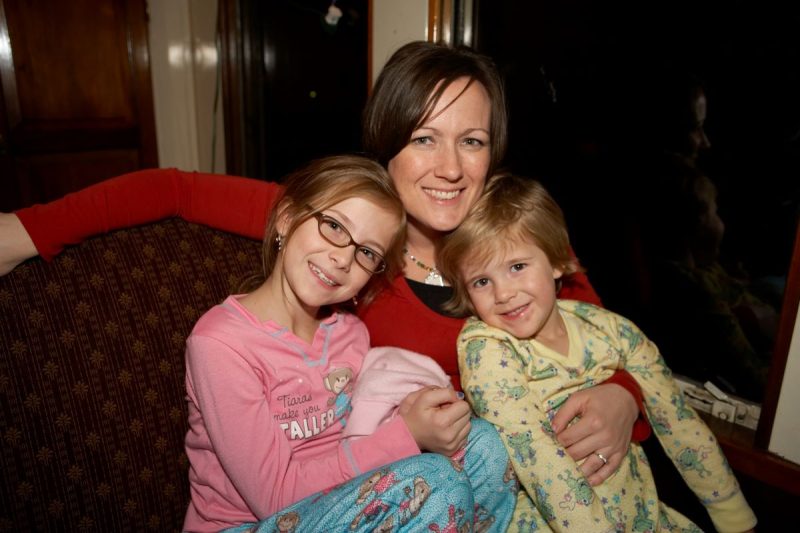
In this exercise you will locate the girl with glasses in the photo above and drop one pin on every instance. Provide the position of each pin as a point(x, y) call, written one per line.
point(269, 376)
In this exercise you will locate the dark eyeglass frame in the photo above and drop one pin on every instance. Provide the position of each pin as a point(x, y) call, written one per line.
point(323, 219)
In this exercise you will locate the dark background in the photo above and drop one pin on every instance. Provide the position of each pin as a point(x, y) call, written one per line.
point(584, 81)
point(582, 78)
point(294, 85)
point(600, 59)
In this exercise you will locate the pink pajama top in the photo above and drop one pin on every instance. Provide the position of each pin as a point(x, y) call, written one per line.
point(266, 415)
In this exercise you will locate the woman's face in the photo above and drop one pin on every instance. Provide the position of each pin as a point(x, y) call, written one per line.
point(441, 171)
point(698, 141)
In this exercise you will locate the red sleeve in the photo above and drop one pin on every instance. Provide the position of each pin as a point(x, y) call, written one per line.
point(641, 428)
point(234, 204)
point(577, 287)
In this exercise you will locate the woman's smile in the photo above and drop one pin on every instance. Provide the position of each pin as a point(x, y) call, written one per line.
point(440, 194)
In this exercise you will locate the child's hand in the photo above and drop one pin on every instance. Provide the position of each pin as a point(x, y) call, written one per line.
point(437, 419)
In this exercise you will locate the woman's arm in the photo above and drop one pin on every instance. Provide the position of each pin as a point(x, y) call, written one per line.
point(607, 412)
point(15, 244)
point(577, 287)
point(238, 205)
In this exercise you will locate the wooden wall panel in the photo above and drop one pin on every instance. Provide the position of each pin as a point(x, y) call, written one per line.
point(59, 174)
point(75, 80)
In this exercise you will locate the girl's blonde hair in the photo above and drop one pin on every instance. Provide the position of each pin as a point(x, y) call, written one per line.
point(512, 209)
point(322, 184)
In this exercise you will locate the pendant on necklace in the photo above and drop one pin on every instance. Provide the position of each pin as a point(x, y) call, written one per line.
point(434, 278)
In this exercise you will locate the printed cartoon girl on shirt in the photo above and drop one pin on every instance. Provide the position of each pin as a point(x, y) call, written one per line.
point(338, 382)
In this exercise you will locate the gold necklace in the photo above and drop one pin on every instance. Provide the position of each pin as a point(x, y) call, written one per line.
point(434, 277)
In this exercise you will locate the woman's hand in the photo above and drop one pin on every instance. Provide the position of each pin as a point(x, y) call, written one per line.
point(607, 413)
point(15, 244)
point(437, 419)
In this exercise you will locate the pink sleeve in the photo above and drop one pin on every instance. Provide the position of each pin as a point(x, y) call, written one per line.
point(391, 442)
point(238, 205)
point(252, 448)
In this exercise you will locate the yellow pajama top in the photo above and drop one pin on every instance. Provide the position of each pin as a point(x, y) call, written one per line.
point(518, 385)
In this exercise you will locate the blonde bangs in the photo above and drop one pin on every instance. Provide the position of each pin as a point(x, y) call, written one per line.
point(511, 211)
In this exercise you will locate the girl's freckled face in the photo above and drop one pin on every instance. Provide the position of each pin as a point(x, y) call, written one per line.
point(318, 273)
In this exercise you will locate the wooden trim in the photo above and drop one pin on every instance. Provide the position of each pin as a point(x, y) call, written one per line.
point(370, 42)
point(231, 65)
point(434, 20)
point(780, 353)
point(7, 76)
point(440, 21)
point(78, 136)
point(446, 22)
point(139, 57)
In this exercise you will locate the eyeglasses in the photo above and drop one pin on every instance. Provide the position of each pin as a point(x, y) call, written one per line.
point(335, 233)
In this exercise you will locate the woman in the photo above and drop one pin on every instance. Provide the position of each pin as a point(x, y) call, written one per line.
point(437, 120)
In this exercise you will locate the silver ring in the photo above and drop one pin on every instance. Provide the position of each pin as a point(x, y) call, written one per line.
point(600, 455)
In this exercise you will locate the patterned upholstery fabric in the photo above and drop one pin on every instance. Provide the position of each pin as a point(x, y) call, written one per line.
point(92, 397)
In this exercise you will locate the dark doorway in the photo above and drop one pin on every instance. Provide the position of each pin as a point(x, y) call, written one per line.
point(295, 84)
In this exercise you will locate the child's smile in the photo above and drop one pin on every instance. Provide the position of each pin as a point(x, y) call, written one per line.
point(321, 275)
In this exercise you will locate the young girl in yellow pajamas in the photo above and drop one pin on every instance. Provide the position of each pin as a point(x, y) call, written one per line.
point(526, 352)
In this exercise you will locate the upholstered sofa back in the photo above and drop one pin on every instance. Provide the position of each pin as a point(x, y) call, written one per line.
point(92, 398)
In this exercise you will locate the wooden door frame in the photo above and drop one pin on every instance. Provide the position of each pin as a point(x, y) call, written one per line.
point(451, 21)
point(139, 62)
point(231, 66)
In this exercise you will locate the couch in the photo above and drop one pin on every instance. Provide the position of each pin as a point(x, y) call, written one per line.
point(92, 397)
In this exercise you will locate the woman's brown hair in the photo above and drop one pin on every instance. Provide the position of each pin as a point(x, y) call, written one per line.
point(409, 87)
